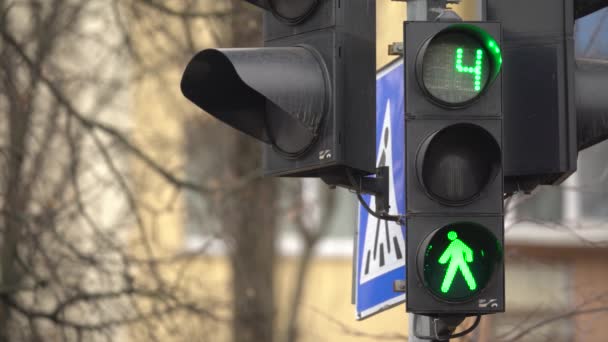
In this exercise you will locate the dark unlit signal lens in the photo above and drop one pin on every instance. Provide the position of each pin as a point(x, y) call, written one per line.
point(457, 163)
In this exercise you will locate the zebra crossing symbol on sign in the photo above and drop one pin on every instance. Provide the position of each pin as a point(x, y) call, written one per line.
point(384, 244)
point(380, 245)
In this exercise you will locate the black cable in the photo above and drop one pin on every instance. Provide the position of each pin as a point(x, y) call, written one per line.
point(293, 20)
point(469, 330)
point(447, 338)
point(381, 216)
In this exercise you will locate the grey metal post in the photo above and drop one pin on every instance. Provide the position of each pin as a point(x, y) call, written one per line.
point(429, 327)
point(422, 327)
point(417, 10)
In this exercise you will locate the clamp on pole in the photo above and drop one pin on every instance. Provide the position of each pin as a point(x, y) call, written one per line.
point(377, 186)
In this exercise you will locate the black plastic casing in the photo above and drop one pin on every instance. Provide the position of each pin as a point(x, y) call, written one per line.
point(343, 32)
point(425, 214)
point(421, 300)
point(540, 142)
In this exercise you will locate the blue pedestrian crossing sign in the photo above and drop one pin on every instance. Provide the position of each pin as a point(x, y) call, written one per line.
point(380, 244)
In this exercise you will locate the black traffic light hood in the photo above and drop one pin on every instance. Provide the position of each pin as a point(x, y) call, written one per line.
point(276, 95)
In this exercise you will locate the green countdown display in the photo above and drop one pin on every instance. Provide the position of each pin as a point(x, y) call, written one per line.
point(476, 70)
point(458, 260)
point(458, 65)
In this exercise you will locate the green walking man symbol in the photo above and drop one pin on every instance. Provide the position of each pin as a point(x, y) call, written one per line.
point(459, 255)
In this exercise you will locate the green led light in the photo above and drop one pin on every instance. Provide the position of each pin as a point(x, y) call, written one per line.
point(459, 255)
point(493, 46)
point(450, 57)
point(494, 49)
point(477, 70)
point(462, 261)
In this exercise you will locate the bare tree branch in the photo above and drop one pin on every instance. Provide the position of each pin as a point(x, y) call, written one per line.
point(345, 329)
point(190, 13)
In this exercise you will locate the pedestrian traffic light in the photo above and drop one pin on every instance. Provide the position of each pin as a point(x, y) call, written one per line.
point(309, 94)
point(454, 187)
point(456, 252)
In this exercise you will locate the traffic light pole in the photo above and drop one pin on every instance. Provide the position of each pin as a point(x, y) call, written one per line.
point(428, 10)
point(435, 329)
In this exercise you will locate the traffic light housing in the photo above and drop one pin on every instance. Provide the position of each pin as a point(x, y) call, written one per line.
point(540, 141)
point(454, 179)
point(308, 95)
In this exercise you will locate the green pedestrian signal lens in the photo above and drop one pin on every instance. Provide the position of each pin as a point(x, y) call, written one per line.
point(457, 65)
point(457, 261)
point(458, 254)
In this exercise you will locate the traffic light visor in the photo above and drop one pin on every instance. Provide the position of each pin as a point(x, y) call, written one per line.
point(276, 95)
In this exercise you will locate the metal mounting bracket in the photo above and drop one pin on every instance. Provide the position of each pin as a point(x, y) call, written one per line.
point(374, 185)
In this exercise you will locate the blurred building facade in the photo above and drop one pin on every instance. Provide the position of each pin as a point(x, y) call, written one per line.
point(557, 240)
point(556, 258)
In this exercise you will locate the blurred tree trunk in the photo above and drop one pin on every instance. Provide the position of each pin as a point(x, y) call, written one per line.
point(17, 123)
point(18, 120)
point(251, 216)
point(251, 219)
